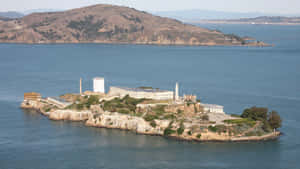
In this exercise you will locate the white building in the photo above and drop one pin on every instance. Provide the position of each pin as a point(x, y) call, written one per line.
point(140, 93)
point(212, 108)
point(99, 84)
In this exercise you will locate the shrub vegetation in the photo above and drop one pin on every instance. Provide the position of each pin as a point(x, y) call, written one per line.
point(125, 105)
point(218, 128)
point(153, 124)
point(180, 130)
point(168, 131)
point(246, 121)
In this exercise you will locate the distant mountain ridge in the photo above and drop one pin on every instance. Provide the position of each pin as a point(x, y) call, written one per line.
point(277, 20)
point(11, 14)
point(31, 11)
point(110, 24)
point(199, 14)
point(15, 14)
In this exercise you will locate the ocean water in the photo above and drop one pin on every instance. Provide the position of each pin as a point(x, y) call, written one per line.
point(236, 77)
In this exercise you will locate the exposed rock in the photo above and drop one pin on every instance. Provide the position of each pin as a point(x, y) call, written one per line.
point(126, 122)
point(69, 115)
point(96, 109)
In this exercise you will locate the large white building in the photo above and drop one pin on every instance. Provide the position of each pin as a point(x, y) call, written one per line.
point(99, 84)
point(140, 93)
point(212, 108)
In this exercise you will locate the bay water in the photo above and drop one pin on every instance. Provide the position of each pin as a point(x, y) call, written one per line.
point(235, 77)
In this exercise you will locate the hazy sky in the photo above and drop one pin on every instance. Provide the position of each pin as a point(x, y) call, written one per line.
point(266, 6)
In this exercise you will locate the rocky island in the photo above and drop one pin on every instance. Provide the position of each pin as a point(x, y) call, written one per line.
point(150, 111)
point(111, 24)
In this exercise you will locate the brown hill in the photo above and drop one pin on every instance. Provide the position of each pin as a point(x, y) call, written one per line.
point(109, 24)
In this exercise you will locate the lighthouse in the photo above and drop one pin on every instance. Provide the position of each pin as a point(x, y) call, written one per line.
point(80, 86)
point(176, 92)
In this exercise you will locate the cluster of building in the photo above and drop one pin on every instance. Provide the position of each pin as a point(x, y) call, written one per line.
point(150, 93)
point(143, 92)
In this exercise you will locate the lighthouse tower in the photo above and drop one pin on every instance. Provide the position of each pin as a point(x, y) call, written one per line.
point(176, 92)
point(80, 86)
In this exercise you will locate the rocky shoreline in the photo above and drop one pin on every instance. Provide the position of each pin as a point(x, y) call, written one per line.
point(96, 117)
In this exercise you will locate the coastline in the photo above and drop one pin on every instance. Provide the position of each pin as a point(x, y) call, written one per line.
point(242, 23)
point(255, 44)
point(128, 123)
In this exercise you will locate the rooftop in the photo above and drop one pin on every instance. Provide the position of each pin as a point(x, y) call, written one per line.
point(98, 78)
point(212, 106)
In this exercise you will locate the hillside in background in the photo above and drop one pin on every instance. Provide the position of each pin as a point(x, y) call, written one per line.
point(11, 15)
point(110, 24)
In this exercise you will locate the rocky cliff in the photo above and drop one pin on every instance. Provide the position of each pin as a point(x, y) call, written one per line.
point(109, 24)
point(139, 125)
point(69, 115)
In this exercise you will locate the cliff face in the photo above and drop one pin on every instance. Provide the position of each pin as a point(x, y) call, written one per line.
point(139, 125)
point(126, 122)
point(108, 24)
point(69, 115)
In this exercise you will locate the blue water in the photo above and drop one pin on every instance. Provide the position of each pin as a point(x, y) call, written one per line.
point(236, 77)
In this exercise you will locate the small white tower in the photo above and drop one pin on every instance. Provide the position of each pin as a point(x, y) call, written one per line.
point(176, 92)
point(99, 84)
point(80, 86)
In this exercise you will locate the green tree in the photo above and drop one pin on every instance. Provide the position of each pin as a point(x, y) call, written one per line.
point(274, 120)
point(205, 117)
point(266, 126)
point(180, 130)
point(256, 113)
point(198, 135)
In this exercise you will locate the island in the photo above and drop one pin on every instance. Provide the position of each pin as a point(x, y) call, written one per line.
point(111, 24)
point(152, 111)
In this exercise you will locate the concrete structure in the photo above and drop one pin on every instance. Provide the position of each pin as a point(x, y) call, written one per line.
point(32, 96)
point(99, 84)
point(176, 92)
point(140, 93)
point(192, 98)
point(90, 93)
point(58, 102)
point(212, 108)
